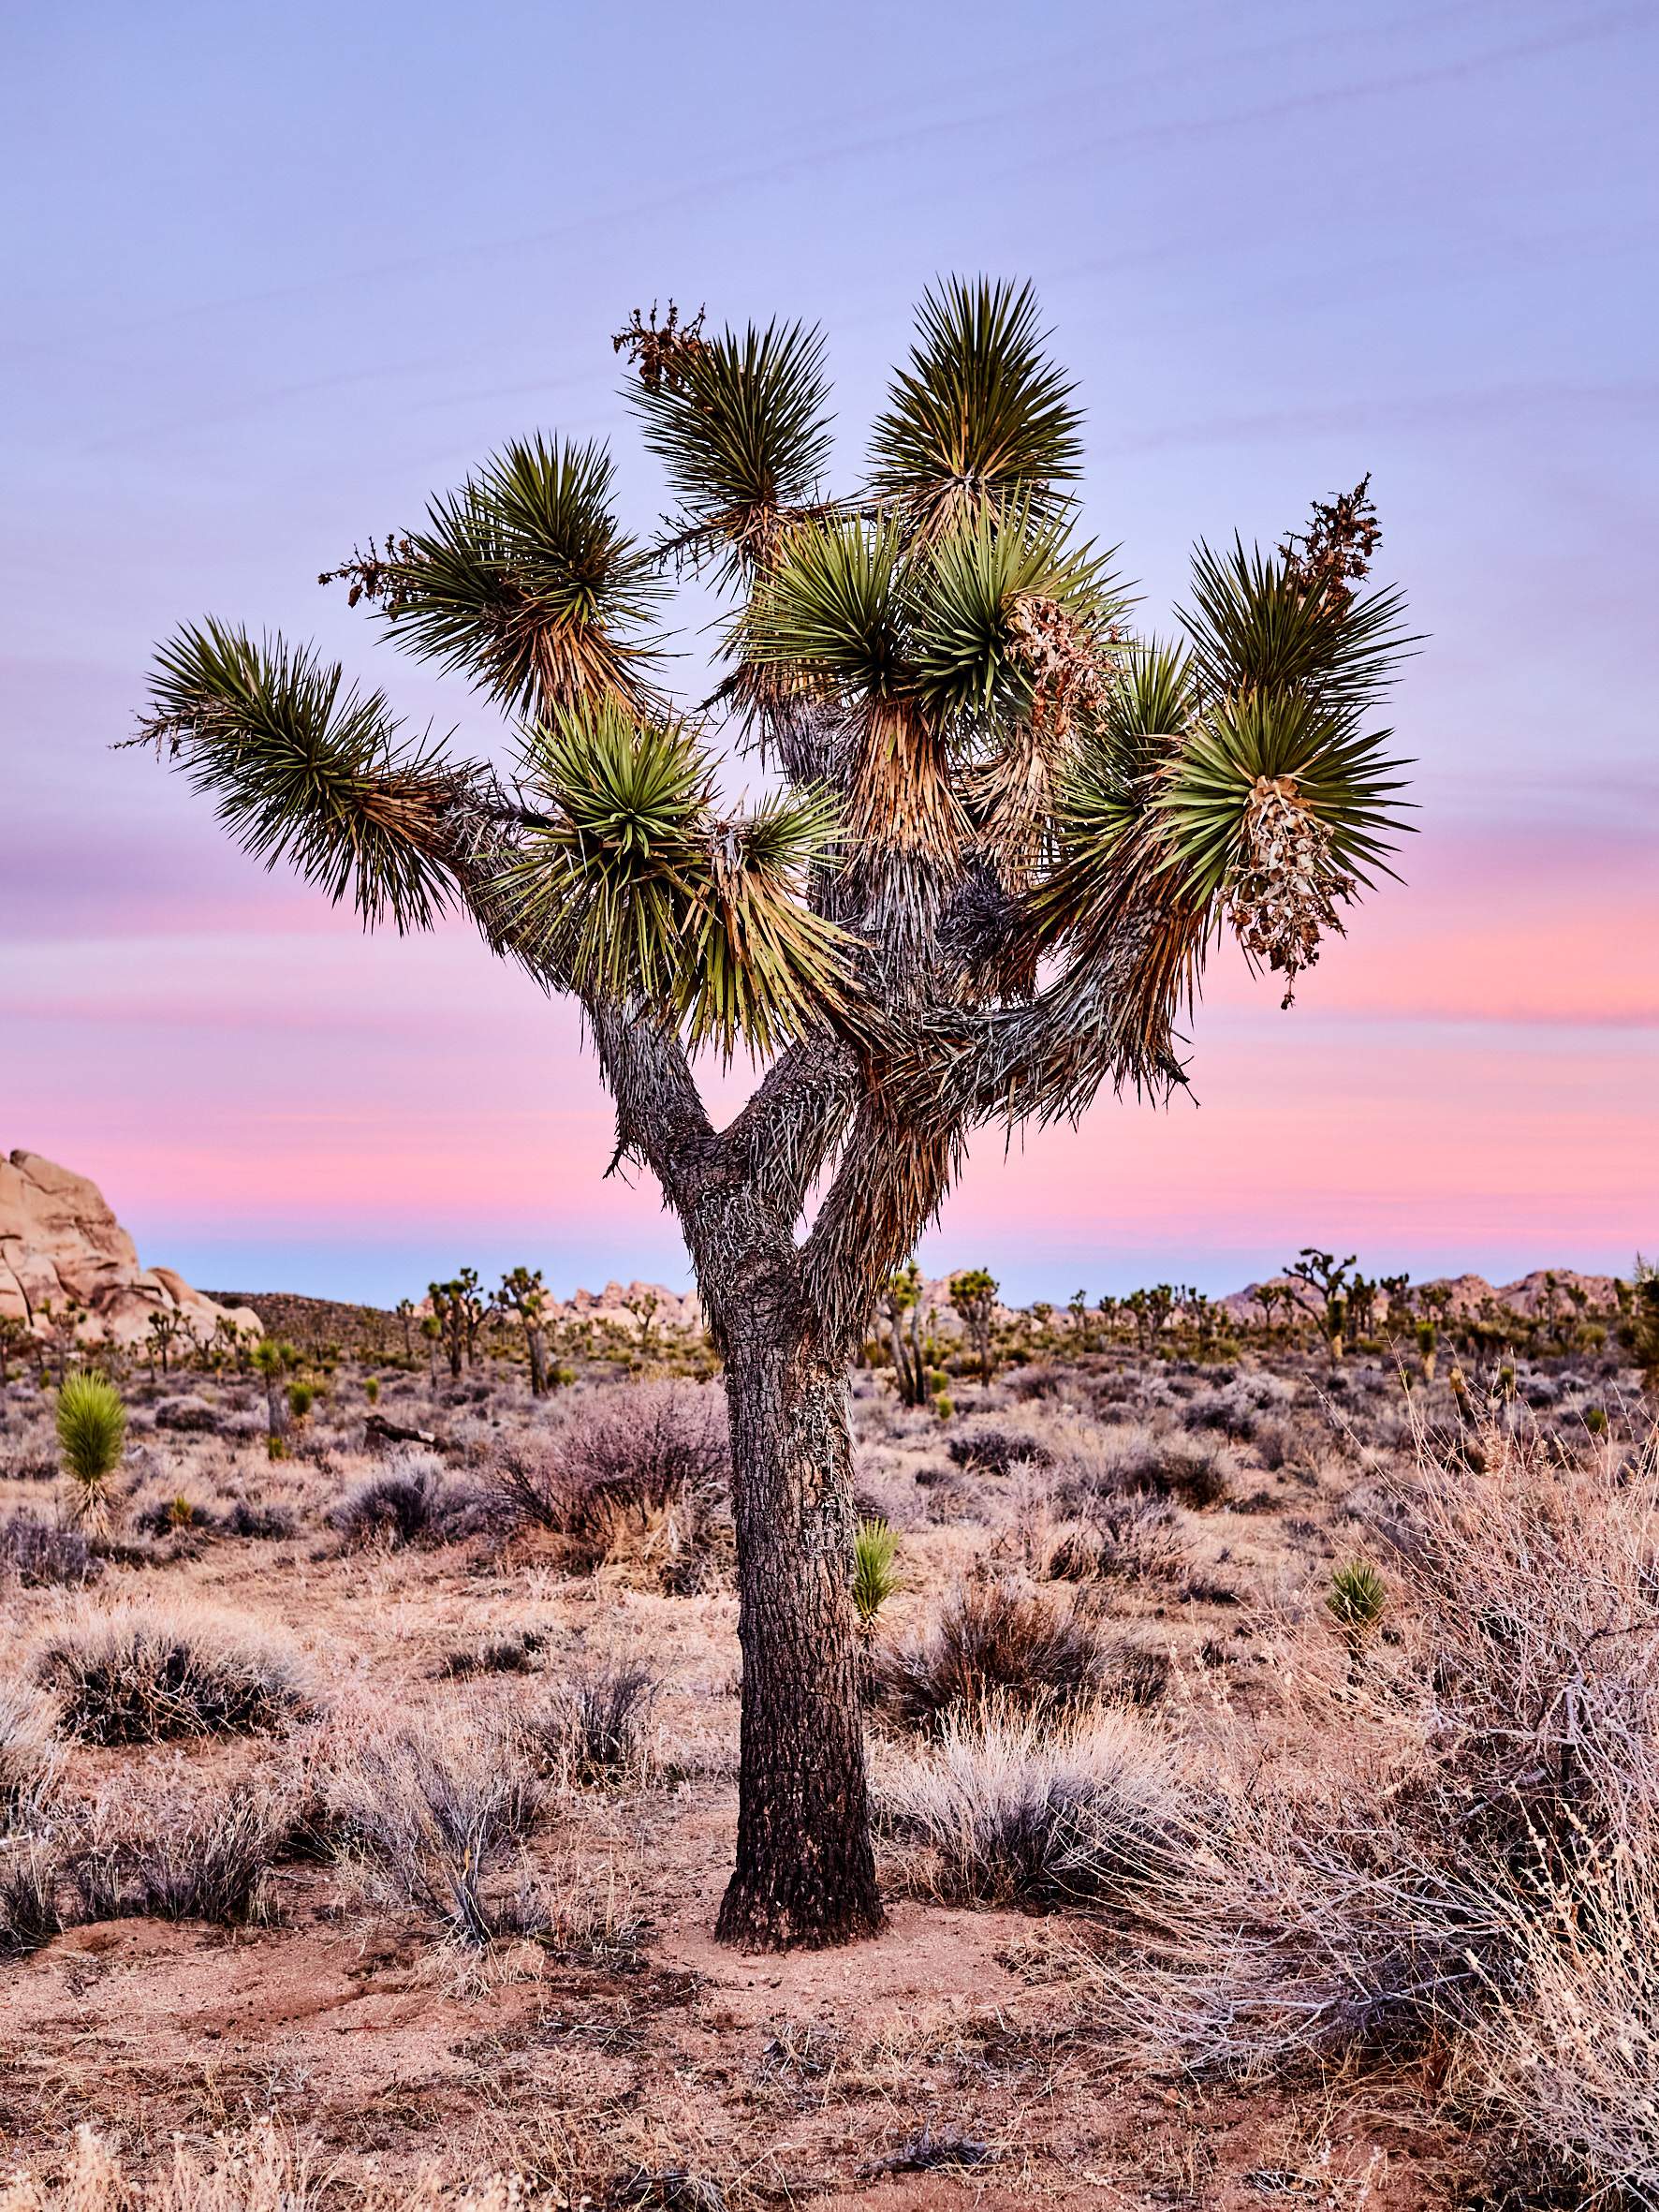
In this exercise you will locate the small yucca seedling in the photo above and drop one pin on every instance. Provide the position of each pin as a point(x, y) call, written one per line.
point(371, 1390)
point(1595, 1420)
point(92, 1434)
point(302, 1397)
point(875, 1573)
point(1358, 1600)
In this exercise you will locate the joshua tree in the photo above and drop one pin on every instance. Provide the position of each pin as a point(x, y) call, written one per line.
point(459, 1311)
point(405, 1313)
point(1326, 1273)
point(643, 1305)
point(14, 1337)
point(524, 1292)
point(168, 1329)
point(1004, 837)
point(1078, 1306)
point(92, 1434)
point(272, 1361)
point(974, 1294)
point(432, 1330)
point(904, 1298)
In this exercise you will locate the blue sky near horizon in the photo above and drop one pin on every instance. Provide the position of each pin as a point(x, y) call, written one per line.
point(276, 275)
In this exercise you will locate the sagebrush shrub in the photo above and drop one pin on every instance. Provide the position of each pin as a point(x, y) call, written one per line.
point(992, 1640)
point(996, 1452)
point(415, 1502)
point(631, 1450)
point(592, 1728)
point(139, 1673)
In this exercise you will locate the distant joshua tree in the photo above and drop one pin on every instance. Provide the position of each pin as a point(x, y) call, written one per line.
point(1005, 838)
point(1328, 1276)
point(973, 1294)
point(524, 1292)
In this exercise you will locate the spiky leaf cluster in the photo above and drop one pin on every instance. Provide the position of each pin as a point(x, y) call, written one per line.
point(1012, 832)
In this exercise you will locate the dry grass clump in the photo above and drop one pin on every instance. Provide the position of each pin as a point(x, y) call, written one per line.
point(434, 1811)
point(139, 1673)
point(593, 1727)
point(266, 2170)
point(205, 1854)
point(40, 1554)
point(1455, 1843)
point(993, 1641)
point(1011, 1805)
point(29, 1755)
point(28, 1897)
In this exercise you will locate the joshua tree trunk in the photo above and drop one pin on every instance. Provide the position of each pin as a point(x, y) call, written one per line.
point(805, 1872)
point(537, 1345)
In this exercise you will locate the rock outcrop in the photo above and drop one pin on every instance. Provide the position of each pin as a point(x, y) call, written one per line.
point(62, 1250)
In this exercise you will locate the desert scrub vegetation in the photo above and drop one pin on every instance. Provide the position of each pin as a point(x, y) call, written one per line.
point(433, 1811)
point(639, 1472)
point(593, 1725)
point(30, 1756)
point(1010, 1805)
point(139, 1673)
point(1451, 1849)
point(413, 1501)
point(992, 1640)
point(40, 1554)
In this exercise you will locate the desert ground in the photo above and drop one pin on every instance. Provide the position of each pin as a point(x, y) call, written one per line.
point(370, 1806)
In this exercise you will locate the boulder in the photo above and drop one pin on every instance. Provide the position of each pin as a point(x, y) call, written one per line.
point(61, 1247)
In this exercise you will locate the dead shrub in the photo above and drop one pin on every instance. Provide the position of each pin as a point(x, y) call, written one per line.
point(993, 1640)
point(433, 1811)
point(139, 1673)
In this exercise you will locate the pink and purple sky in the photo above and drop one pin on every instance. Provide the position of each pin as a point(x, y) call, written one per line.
point(273, 276)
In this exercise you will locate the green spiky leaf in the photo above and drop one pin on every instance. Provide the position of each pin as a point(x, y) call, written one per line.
point(743, 427)
point(1253, 626)
point(963, 642)
point(308, 770)
point(1345, 779)
point(981, 417)
point(833, 612)
point(523, 580)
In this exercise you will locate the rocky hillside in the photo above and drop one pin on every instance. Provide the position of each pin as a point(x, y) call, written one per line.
point(63, 1251)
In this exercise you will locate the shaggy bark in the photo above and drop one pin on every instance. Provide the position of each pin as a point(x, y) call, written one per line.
point(805, 1872)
